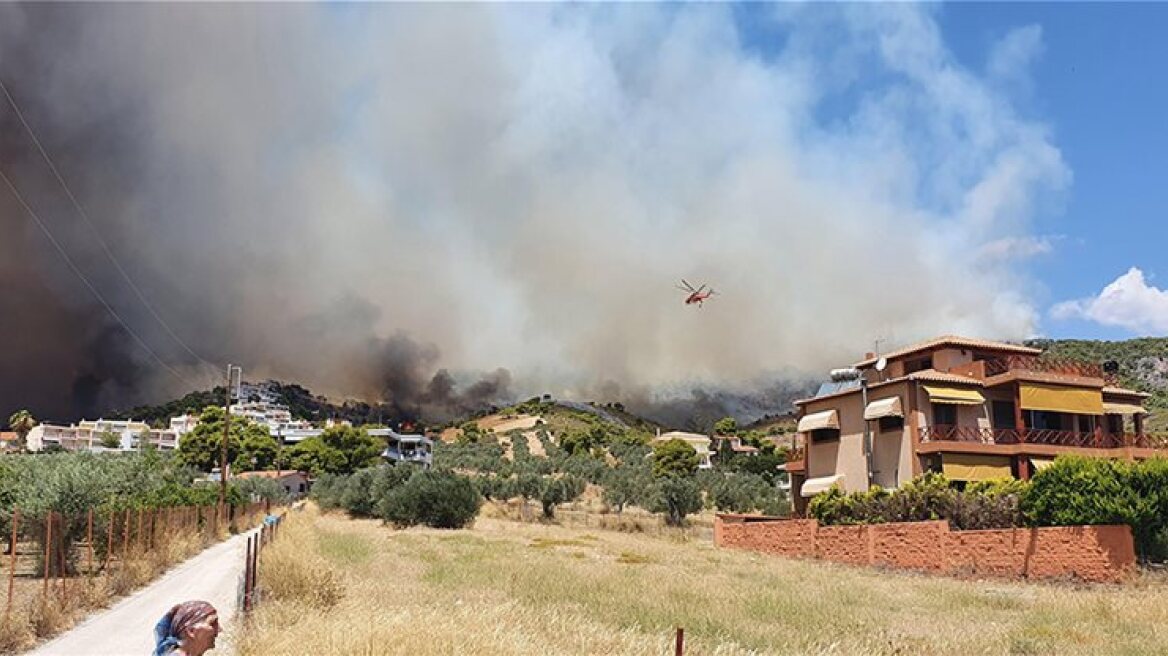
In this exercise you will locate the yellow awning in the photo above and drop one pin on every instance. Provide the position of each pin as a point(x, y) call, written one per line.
point(1123, 409)
point(889, 407)
point(1057, 398)
point(975, 467)
point(954, 395)
point(825, 419)
point(1041, 463)
point(814, 486)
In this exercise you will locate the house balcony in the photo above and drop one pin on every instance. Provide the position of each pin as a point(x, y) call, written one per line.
point(797, 459)
point(406, 456)
point(1045, 365)
point(941, 435)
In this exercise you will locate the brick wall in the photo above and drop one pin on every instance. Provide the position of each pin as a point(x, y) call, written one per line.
point(1088, 553)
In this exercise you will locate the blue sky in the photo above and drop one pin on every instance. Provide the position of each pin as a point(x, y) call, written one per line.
point(1102, 85)
point(1095, 77)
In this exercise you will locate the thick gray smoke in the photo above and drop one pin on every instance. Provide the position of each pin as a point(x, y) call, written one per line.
point(357, 197)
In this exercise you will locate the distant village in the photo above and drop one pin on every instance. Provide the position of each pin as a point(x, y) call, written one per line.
point(258, 404)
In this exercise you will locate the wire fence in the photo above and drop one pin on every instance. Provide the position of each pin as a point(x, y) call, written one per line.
point(268, 532)
point(55, 561)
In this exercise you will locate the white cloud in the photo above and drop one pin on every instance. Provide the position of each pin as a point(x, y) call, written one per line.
point(1018, 248)
point(1128, 302)
point(1013, 54)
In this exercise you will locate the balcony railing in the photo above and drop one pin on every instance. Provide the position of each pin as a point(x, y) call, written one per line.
point(796, 454)
point(1040, 364)
point(978, 435)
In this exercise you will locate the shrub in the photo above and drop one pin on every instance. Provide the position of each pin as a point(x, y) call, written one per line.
point(555, 491)
point(1076, 490)
point(434, 498)
point(674, 458)
point(676, 497)
point(741, 493)
point(625, 484)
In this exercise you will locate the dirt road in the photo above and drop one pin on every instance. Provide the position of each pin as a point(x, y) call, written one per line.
point(216, 575)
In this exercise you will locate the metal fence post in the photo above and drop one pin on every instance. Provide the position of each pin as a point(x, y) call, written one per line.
point(679, 645)
point(12, 560)
point(48, 543)
point(89, 541)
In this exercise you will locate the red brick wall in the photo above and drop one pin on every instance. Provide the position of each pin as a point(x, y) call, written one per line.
point(1089, 553)
point(843, 544)
point(787, 537)
point(910, 545)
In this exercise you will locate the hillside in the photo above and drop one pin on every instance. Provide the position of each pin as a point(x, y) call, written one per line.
point(301, 402)
point(1143, 366)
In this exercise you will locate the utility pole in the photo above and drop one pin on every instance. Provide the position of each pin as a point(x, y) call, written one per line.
point(223, 445)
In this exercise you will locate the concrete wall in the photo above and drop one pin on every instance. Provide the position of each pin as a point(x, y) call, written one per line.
point(1087, 553)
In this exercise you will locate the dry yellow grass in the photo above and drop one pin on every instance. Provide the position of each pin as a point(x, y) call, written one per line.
point(505, 587)
point(36, 617)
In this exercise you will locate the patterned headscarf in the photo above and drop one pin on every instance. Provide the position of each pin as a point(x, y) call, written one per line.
point(168, 633)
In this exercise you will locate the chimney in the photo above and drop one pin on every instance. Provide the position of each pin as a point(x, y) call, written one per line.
point(869, 355)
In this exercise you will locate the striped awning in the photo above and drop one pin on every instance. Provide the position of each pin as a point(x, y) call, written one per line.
point(889, 407)
point(819, 420)
point(975, 467)
point(1060, 398)
point(814, 486)
point(954, 395)
point(1040, 464)
point(1123, 409)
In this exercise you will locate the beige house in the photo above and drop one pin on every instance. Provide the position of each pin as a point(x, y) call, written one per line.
point(295, 483)
point(699, 442)
point(969, 408)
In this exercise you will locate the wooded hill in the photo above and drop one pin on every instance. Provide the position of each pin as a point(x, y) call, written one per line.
point(1143, 366)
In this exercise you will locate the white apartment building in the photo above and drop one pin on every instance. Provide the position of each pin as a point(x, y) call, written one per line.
point(86, 435)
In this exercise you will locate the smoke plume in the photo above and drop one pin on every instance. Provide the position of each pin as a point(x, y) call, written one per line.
point(387, 201)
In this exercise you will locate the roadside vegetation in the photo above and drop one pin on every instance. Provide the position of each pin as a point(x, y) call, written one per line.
point(145, 512)
point(332, 585)
point(1072, 491)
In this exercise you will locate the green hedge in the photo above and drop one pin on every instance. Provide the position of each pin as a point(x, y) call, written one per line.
point(1077, 490)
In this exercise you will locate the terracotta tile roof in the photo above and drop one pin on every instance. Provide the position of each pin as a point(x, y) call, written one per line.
point(952, 340)
point(927, 375)
point(1119, 390)
point(934, 376)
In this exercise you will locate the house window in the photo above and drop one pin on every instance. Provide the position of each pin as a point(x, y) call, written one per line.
point(944, 414)
point(825, 435)
point(302, 487)
point(1115, 424)
point(888, 424)
point(1003, 412)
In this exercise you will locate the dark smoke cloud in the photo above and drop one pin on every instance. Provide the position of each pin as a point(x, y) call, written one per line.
point(386, 201)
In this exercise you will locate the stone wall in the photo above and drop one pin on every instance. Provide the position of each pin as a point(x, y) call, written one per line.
point(1087, 553)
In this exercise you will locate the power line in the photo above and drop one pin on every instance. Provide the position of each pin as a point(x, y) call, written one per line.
point(104, 246)
point(68, 260)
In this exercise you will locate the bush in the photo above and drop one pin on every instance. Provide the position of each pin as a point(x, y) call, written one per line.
point(1076, 490)
point(676, 497)
point(433, 498)
point(984, 505)
point(741, 493)
point(555, 491)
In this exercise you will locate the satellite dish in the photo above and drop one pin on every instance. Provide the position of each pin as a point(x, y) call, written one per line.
point(881, 363)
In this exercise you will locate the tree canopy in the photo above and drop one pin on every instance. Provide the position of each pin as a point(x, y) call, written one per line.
point(674, 458)
point(200, 447)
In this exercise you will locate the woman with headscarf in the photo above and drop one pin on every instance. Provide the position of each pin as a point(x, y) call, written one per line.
point(188, 629)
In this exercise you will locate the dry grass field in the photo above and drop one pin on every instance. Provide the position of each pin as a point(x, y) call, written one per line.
point(339, 586)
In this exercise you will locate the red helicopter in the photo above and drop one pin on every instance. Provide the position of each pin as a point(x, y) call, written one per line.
point(695, 295)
